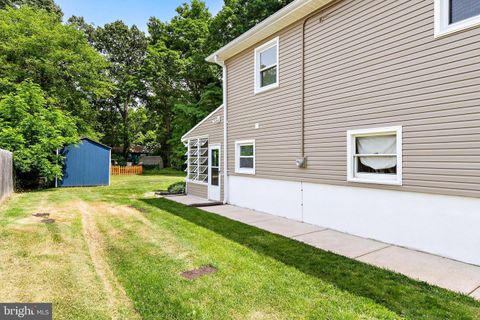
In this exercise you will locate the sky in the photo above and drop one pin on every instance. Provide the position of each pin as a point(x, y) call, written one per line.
point(131, 12)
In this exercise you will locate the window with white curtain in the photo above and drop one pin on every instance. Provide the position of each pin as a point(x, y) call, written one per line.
point(455, 15)
point(266, 66)
point(375, 155)
point(245, 156)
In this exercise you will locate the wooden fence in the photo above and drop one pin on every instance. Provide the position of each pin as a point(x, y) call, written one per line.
point(121, 170)
point(6, 174)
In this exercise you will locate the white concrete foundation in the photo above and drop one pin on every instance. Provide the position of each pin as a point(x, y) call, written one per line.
point(282, 198)
point(442, 225)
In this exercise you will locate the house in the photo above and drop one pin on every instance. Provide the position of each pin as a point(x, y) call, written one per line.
point(359, 116)
point(86, 164)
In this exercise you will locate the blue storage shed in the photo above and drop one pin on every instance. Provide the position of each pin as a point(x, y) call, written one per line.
point(87, 164)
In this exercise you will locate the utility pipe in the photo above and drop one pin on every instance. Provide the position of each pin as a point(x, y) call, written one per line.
point(305, 20)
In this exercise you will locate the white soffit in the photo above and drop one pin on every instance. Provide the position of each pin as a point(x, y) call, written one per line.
point(286, 16)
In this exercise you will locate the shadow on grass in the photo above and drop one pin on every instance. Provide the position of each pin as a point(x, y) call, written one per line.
point(402, 295)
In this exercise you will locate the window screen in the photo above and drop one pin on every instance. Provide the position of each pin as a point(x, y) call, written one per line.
point(463, 9)
point(266, 66)
point(246, 156)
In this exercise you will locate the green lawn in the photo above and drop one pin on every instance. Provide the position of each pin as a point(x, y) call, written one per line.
point(117, 252)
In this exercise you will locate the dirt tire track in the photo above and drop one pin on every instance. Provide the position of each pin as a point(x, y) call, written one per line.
point(116, 295)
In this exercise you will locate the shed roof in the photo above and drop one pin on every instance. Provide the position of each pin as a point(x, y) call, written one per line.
point(284, 17)
point(96, 143)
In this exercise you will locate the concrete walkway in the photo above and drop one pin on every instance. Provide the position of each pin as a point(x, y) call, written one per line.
point(439, 271)
point(189, 200)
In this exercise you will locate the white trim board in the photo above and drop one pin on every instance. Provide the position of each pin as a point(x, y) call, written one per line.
point(438, 224)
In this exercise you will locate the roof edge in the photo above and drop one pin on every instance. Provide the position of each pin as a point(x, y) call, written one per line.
point(198, 124)
point(284, 17)
point(95, 142)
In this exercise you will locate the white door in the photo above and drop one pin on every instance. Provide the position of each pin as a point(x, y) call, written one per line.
point(214, 172)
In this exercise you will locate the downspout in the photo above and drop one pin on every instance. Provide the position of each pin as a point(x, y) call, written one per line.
point(225, 124)
point(302, 144)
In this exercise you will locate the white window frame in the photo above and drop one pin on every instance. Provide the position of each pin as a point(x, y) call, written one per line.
point(239, 144)
point(442, 18)
point(257, 70)
point(376, 178)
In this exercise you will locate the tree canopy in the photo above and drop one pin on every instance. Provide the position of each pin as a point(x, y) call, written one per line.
point(49, 78)
point(238, 16)
point(125, 48)
point(48, 5)
point(35, 46)
point(34, 128)
point(182, 86)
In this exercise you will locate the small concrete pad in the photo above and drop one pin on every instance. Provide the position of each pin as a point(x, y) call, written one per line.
point(341, 243)
point(443, 272)
point(187, 200)
point(239, 214)
point(286, 227)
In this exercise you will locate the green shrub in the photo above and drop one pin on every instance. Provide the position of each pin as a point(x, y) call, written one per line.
point(177, 187)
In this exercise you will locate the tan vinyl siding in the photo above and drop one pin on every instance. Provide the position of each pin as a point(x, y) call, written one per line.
point(214, 132)
point(197, 189)
point(367, 65)
point(276, 111)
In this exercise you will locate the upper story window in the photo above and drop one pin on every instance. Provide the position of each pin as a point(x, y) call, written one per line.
point(266, 66)
point(245, 156)
point(454, 15)
point(375, 155)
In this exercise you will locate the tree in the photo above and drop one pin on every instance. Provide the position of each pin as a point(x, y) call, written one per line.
point(145, 127)
point(33, 128)
point(80, 24)
point(178, 78)
point(161, 74)
point(48, 5)
point(238, 16)
point(125, 49)
point(36, 46)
